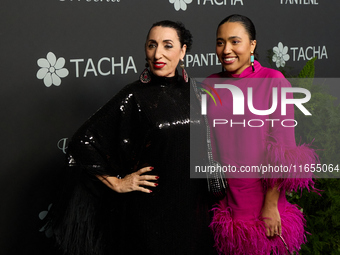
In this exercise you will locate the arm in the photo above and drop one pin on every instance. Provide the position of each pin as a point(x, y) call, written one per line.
point(106, 145)
point(270, 212)
point(283, 151)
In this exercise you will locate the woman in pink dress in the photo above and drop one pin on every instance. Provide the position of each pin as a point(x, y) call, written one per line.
point(255, 212)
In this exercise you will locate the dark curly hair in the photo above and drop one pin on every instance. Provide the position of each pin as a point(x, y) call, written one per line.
point(184, 34)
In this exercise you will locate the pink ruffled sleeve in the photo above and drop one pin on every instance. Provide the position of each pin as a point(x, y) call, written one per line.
point(288, 160)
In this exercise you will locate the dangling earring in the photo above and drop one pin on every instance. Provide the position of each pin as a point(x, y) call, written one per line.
point(184, 73)
point(145, 76)
point(252, 61)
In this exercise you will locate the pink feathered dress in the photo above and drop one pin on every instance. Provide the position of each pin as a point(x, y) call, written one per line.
point(237, 224)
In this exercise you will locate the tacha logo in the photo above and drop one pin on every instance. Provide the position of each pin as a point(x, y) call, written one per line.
point(180, 4)
point(51, 70)
point(281, 53)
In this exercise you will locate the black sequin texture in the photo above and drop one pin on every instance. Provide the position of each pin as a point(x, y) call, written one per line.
point(143, 125)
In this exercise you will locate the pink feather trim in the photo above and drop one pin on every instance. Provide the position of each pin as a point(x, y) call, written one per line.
point(240, 237)
point(294, 160)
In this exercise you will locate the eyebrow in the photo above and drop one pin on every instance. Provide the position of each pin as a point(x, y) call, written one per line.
point(231, 37)
point(166, 40)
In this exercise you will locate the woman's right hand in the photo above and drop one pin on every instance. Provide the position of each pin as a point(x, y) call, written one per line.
point(131, 182)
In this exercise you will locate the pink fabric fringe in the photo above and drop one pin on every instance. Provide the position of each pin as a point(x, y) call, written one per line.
point(238, 237)
point(301, 155)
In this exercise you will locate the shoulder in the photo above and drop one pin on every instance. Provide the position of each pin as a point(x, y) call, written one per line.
point(110, 114)
point(266, 72)
point(273, 78)
point(127, 91)
point(130, 88)
point(119, 102)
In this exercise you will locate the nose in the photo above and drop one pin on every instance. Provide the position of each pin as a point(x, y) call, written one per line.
point(227, 48)
point(158, 52)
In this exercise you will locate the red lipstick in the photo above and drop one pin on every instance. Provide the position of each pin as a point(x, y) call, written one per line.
point(158, 65)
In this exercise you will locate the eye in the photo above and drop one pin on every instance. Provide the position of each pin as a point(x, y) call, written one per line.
point(152, 45)
point(236, 42)
point(219, 43)
point(168, 46)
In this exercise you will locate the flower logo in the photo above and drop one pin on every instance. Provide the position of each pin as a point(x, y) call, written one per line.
point(42, 215)
point(51, 69)
point(180, 4)
point(280, 55)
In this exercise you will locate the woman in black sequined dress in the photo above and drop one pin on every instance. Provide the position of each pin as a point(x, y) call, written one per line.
point(138, 145)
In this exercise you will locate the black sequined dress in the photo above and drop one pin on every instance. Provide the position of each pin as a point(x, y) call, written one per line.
point(143, 125)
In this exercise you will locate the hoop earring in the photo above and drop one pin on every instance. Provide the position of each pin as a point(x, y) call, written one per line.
point(252, 58)
point(145, 76)
point(184, 73)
